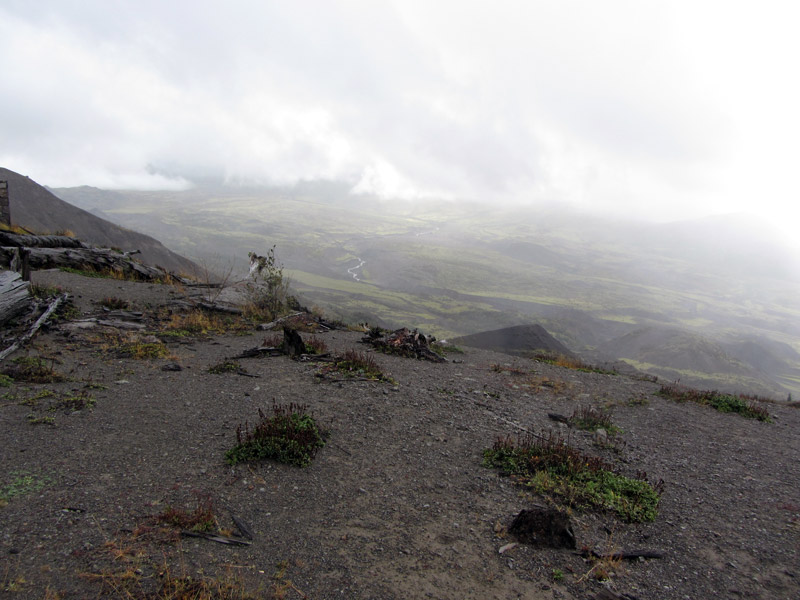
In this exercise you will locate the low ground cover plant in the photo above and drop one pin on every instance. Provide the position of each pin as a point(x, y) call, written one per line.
point(290, 435)
point(227, 366)
point(33, 369)
point(741, 404)
point(355, 364)
point(588, 418)
point(114, 303)
point(548, 465)
point(569, 362)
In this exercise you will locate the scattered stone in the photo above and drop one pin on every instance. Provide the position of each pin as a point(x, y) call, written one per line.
point(172, 367)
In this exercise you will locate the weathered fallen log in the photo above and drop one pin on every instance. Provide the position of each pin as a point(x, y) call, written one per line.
point(32, 331)
point(94, 259)
point(15, 296)
point(39, 241)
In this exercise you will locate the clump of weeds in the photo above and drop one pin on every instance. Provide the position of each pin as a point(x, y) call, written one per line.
point(570, 362)
point(226, 366)
point(33, 369)
point(114, 303)
point(315, 345)
point(202, 518)
point(46, 291)
point(548, 465)
point(498, 368)
point(198, 322)
point(740, 404)
point(290, 435)
point(354, 364)
point(21, 483)
point(589, 418)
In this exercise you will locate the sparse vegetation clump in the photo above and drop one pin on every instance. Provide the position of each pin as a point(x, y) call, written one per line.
point(202, 518)
point(589, 418)
point(142, 350)
point(290, 436)
point(226, 366)
point(570, 362)
point(354, 364)
point(33, 369)
point(268, 289)
point(114, 303)
point(315, 345)
point(46, 291)
point(549, 465)
point(201, 323)
point(741, 404)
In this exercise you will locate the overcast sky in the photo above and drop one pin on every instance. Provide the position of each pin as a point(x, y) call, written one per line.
point(661, 109)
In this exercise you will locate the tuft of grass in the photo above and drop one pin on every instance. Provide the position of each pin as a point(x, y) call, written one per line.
point(589, 418)
point(143, 350)
point(114, 303)
point(290, 436)
point(5, 380)
point(741, 404)
point(33, 419)
point(200, 322)
point(75, 402)
point(498, 368)
point(226, 366)
point(443, 348)
point(315, 345)
point(569, 362)
point(202, 518)
point(21, 484)
point(46, 291)
point(33, 369)
point(356, 364)
point(548, 465)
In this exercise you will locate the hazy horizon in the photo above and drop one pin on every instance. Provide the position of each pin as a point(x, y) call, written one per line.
point(656, 111)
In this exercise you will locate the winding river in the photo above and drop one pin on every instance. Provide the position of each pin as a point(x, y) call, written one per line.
point(352, 270)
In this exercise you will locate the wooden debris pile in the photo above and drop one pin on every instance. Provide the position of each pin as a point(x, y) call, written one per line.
point(404, 342)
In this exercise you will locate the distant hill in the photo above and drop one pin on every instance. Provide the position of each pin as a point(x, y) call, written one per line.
point(37, 209)
point(518, 339)
point(673, 353)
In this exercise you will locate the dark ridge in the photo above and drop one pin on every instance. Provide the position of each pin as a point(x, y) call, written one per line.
point(518, 339)
point(38, 210)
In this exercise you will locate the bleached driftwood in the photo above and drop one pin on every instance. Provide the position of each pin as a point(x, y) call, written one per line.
point(15, 296)
point(96, 259)
point(39, 241)
point(32, 331)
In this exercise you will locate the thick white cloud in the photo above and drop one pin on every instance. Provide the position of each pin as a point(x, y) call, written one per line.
point(656, 109)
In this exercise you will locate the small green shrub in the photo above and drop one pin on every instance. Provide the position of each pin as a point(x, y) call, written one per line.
point(143, 350)
point(289, 436)
point(356, 364)
point(202, 518)
point(22, 483)
point(548, 465)
point(589, 418)
point(33, 369)
point(727, 403)
point(227, 366)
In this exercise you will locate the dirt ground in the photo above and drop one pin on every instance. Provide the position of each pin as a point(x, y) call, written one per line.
point(397, 503)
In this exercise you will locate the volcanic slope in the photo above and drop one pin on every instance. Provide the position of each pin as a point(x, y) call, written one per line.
point(396, 505)
point(35, 208)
